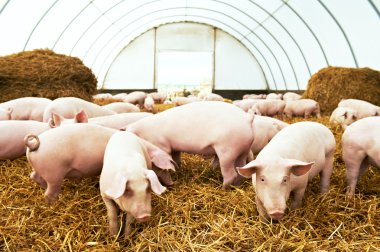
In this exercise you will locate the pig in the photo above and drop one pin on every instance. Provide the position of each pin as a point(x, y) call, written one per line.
point(70, 151)
point(303, 107)
point(136, 97)
point(254, 96)
point(206, 128)
point(13, 133)
point(148, 104)
point(68, 107)
point(343, 116)
point(291, 96)
point(265, 128)
point(287, 163)
point(179, 101)
point(245, 104)
point(212, 97)
point(120, 96)
point(102, 96)
point(362, 108)
point(122, 107)
point(360, 148)
point(126, 180)
point(26, 108)
point(5, 114)
point(269, 107)
point(117, 121)
point(158, 98)
point(274, 96)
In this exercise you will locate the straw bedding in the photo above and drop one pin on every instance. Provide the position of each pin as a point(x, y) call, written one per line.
point(44, 73)
point(331, 84)
point(194, 215)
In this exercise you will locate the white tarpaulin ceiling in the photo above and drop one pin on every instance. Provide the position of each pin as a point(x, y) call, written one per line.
point(291, 39)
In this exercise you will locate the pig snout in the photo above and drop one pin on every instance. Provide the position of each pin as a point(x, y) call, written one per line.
point(143, 218)
point(32, 142)
point(276, 214)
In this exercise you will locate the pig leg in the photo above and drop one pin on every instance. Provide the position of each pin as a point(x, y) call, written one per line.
point(325, 174)
point(227, 166)
point(177, 158)
point(36, 177)
point(297, 194)
point(240, 162)
point(52, 191)
point(354, 168)
point(163, 176)
point(112, 213)
point(128, 222)
point(215, 163)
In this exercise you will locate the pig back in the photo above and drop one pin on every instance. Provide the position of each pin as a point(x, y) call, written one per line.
point(196, 127)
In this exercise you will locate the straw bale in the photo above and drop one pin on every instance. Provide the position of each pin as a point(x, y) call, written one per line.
point(331, 84)
point(44, 73)
point(193, 215)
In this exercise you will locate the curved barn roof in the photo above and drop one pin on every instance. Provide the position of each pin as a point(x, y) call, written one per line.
point(288, 38)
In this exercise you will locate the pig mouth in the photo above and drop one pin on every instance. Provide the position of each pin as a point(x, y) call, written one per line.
point(143, 218)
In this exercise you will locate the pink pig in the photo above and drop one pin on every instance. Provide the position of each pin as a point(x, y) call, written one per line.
point(302, 107)
point(126, 180)
point(149, 103)
point(269, 107)
point(287, 163)
point(205, 127)
point(68, 107)
point(343, 116)
point(122, 107)
point(26, 108)
point(5, 114)
point(362, 108)
point(136, 97)
point(70, 151)
point(13, 133)
point(360, 148)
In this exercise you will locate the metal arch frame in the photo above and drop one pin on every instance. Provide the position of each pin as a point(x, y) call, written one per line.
point(265, 78)
point(274, 38)
point(309, 28)
point(5, 5)
point(286, 30)
point(217, 21)
point(71, 21)
point(341, 29)
point(89, 27)
point(373, 6)
point(204, 18)
point(39, 21)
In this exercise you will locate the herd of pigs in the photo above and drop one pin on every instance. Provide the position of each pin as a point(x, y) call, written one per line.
point(134, 151)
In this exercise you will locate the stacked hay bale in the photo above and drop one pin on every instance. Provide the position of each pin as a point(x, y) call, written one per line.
point(44, 73)
point(330, 85)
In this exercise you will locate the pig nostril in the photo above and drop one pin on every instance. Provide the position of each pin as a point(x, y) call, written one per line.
point(276, 215)
point(143, 218)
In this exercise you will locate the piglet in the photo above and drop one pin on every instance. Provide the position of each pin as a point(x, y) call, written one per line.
point(343, 116)
point(303, 108)
point(122, 107)
point(362, 108)
point(269, 107)
point(287, 163)
point(26, 108)
point(126, 180)
point(149, 103)
point(70, 151)
point(68, 107)
point(360, 148)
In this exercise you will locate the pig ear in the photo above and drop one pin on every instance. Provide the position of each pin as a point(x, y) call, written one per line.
point(81, 117)
point(249, 169)
point(299, 168)
point(156, 186)
point(162, 160)
point(118, 186)
point(55, 120)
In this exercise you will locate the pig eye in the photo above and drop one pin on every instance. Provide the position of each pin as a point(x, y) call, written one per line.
point(285, 179)
point(262, 179)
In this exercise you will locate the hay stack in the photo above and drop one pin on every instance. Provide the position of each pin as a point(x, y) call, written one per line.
point(43, 73)
point(329, 85)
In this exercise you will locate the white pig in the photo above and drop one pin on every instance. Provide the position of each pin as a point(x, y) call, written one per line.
point(362, 108)
point(245, 104)
point(269, 107)
point(68, 107)
point(206, 128)
point(136, 97)
point(27, 108)
point(291, 96)
point(126, 180)
point(343, 116)
point(360, 148)
point(71, 151)
point(149, 103)
point(302, 107)
point(274, 96)
point(5, 114)
point(287, 163)
point(122, 107)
